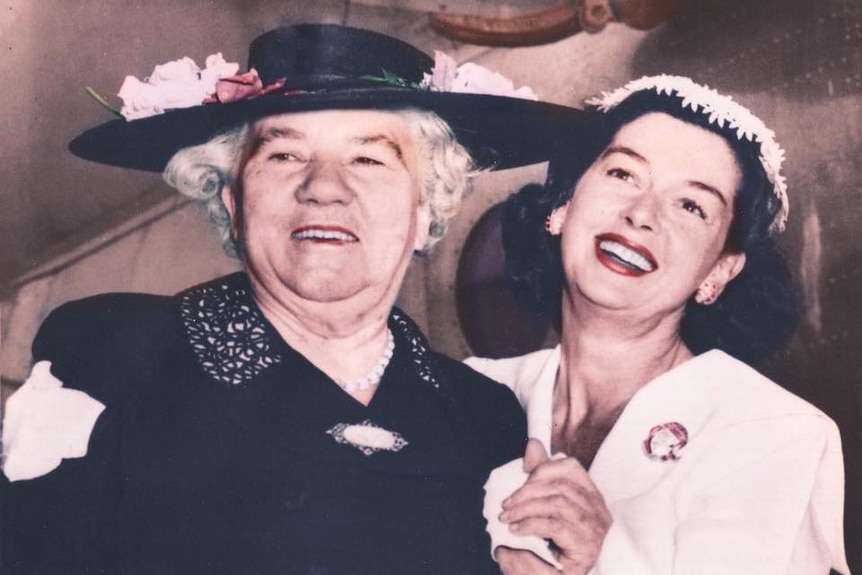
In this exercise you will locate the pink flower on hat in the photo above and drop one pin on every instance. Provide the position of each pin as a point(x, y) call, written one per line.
point(666, 441)
point(241, 87)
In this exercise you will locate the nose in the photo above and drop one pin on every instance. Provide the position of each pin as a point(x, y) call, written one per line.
point(324, 184)
point(642, 212)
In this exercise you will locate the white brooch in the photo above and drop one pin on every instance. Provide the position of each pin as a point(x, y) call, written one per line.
point(367, 437)
point(720, 110)
point(665, 442)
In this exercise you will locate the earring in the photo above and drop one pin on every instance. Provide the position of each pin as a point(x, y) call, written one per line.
point(707, 293)
point(554, 222)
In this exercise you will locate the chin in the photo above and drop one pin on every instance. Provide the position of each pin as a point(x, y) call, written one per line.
point(329, 290)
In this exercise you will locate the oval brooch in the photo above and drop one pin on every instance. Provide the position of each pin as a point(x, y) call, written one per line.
point(367, 437)
point(666, 441)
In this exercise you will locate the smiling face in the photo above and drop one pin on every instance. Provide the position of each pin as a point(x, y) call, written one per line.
point(331, 206)
point(648, 221)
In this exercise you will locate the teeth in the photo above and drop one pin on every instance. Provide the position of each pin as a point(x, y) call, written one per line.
point(626, 255)
point(323, 235)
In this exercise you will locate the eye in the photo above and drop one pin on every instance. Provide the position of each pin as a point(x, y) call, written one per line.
point(284, 157)
point(621, 174)
point(366, 161)
point(693, 207)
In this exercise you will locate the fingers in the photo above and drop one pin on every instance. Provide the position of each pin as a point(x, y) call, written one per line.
point(556, 517)
point(559, 502)
point(534, 455)
point(518, 562)
point(552, 500)
point(566, 475)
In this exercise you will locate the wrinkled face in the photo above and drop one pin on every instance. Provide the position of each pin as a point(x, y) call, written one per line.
point(331, 205)
point(648, 221)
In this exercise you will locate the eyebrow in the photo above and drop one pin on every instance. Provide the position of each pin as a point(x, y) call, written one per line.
point(272, 134)
point(381, 138)
point(691, 183)
point(707, 188)
point(623, 150)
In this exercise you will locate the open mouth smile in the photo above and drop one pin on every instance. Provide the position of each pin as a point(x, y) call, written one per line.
point(324, 234)
point(624, 257)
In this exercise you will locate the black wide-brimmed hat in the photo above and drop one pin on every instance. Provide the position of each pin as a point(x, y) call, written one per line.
point(329, 67)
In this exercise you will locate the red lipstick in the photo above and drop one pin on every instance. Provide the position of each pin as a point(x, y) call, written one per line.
point(624, 256)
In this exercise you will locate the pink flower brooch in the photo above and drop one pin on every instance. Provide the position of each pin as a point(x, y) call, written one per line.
point(665, 441)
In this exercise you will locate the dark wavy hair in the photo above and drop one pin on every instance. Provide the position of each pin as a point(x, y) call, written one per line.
point(758, 310)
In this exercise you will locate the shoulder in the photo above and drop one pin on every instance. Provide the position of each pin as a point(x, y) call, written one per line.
point(717, 387)
point(110, 337)
point(114, 319)
point(474, 386)
point(521, 373)
point(732, 412)
point(100, 320)
point(740, 393)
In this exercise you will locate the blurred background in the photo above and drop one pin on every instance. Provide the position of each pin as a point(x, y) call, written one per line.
point(71, 228)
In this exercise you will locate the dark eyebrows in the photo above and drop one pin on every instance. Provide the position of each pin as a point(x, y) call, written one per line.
point(709, 189)
point(692, 183)
point(623, 150)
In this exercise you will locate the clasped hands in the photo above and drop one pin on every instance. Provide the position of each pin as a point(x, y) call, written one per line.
point(560, 503)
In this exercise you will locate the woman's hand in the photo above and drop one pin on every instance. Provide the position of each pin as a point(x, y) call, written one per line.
point(560, 503)
point(520, 562)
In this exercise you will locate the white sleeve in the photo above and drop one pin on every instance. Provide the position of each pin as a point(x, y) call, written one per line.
point(501, 370)
point(767, 498)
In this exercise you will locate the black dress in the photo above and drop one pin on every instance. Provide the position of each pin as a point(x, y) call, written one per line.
point(222, 450)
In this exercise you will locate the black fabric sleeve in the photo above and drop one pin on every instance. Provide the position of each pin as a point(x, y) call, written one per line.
point(498, 427)
point(63, 522)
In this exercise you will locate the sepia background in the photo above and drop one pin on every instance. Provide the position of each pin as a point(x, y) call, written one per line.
point(70, 228)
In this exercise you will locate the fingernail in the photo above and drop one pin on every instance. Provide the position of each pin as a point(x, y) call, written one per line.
point(504, 517)
point(514, 527)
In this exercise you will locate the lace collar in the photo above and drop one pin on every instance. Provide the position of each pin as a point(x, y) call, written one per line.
point(233, 341)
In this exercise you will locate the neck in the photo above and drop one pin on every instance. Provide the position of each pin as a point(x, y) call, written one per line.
point(344, 339)
point(607, 357)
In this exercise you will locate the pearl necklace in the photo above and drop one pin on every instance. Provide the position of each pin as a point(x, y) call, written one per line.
point(376, 374)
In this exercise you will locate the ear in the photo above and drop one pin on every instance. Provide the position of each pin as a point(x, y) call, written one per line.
point(229, 201)
point(554, 223)
point(423, 226)
point(725, 269)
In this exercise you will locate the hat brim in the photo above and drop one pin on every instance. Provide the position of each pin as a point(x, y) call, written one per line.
point(500, 132)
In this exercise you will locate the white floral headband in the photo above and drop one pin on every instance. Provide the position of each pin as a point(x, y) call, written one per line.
point(720, 110)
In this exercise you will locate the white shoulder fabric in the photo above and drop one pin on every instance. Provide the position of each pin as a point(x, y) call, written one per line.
point(44, 424)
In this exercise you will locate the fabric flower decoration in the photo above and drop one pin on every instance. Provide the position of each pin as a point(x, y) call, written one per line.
point(666, 441)
point(470, 78)
point(177, 84)
point(720, 110)
point(241, 87)
point(45, 424)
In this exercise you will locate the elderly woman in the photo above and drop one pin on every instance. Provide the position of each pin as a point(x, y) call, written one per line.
point(287, 419)
point(653, 244)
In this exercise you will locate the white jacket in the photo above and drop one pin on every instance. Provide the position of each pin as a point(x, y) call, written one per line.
point(759, 487)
